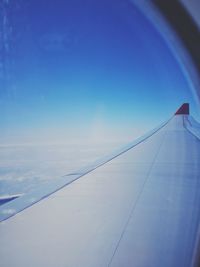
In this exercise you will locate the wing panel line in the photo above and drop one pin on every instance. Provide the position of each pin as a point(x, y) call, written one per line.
point(138, 198)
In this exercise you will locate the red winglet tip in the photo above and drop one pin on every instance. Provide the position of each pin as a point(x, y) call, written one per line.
point(183, 110)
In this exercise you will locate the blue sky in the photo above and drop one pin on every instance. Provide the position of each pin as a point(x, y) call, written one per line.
point(95, 70)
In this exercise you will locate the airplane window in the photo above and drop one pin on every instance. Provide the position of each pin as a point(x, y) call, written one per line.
point(76, 78)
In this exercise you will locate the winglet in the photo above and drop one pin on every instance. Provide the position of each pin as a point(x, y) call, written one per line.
point(183, 110)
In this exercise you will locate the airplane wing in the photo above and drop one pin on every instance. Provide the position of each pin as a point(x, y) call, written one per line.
point(139, 207)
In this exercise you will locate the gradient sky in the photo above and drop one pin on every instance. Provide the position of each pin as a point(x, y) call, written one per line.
point(84, 70)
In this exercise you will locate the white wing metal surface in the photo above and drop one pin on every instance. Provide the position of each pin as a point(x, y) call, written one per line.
point(140, 208)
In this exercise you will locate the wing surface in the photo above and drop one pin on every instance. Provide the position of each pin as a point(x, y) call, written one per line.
point(139, 208)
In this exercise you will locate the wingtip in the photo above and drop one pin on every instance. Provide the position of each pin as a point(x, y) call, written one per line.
point(183, 110)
